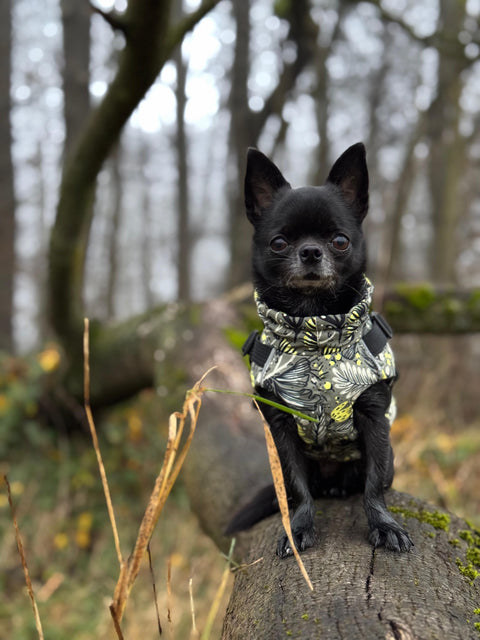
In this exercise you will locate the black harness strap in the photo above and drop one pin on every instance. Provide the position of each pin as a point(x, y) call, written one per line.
point(254, 348)
point(378, 336)
point(375, 339)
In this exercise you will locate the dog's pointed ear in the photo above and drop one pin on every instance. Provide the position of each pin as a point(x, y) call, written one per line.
point(262, 181)
point(350, 174)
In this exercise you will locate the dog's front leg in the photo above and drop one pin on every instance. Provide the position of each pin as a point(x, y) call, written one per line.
point(373, 427)
point(295, 472)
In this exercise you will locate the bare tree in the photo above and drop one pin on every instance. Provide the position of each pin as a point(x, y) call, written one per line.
point(151, 36)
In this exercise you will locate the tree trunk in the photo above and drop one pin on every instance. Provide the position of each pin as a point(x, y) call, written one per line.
point(183, 225)
point(7, 198)
point(240, 137)
point(114, 224)
point(447, 146)
point(76, 74)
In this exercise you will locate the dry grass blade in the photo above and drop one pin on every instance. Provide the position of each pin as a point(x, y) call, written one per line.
point(165, 480)
point(21, 551)
point(154, 587)
point(279, 483)
point(169, 590)
point(96, 446)
point(212, 614)
point(194, 631)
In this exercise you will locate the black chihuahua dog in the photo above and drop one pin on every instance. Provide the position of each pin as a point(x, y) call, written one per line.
point(321, 351)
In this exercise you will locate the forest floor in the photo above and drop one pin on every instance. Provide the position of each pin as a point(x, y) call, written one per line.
point(68, 541)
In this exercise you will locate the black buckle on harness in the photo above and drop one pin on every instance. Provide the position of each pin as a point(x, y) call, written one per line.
point(248, 344)
point(254, 348)
point(378, 336)
point(378, 319)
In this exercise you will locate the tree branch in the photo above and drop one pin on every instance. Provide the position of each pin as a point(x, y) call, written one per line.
point(188, 22)
point(115, 19)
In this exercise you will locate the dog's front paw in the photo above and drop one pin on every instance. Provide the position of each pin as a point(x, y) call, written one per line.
point(391, 537)
point(303, 540)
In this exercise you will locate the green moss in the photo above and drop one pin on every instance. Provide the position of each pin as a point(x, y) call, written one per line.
point(305, 616)
point(473, 556)
point(420, 296)
point(282, 8)
point(473, 302)
point(436, 519)
point(468, 571)
point(476, 612)
point(470, 537)
point(454, 542)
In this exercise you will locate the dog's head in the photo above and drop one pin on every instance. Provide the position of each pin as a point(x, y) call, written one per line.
point(308, 244)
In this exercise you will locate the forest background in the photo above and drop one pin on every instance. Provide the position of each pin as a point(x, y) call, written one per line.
point(117, 214)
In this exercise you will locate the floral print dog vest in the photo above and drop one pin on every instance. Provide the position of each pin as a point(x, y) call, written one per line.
point(319, 366)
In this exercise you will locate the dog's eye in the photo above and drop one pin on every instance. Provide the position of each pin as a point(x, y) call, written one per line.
point(278, 244)
point(340, 242)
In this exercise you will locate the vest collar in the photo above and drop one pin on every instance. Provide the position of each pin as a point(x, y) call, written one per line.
point(285, 332)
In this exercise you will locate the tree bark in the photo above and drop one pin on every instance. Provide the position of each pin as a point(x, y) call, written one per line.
point(358, 592)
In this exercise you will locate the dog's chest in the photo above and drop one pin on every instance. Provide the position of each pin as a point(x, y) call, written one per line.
point(319, 366)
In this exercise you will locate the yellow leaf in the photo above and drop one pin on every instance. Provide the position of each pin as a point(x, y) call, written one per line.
point(134, 427)
point(60, 541)
point(4, 404)
point(84, 521)
point(83, 539)
point(445, 442)
point(49, 359)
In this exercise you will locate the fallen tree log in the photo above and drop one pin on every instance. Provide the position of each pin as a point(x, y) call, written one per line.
point(144, 350)
point(360, 592)
point(432, 592)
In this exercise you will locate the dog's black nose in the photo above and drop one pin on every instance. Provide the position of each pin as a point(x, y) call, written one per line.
point(310, 253)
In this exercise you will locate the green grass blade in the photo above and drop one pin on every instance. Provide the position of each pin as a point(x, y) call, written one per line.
point(277, 405)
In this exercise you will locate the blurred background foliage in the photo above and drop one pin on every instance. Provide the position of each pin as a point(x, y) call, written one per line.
point(302, 80)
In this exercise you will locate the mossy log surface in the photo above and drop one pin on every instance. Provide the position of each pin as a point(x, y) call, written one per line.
point(420, 308)
point(430, 593)
point(359, 592)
